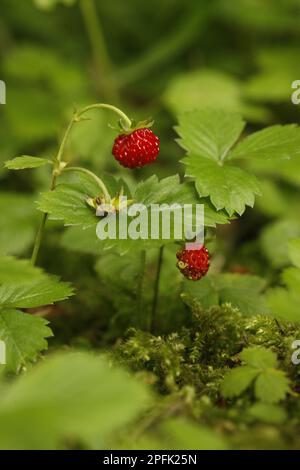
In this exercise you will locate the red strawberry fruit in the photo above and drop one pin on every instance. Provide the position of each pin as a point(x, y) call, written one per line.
point(136, 149)
point(193, 264)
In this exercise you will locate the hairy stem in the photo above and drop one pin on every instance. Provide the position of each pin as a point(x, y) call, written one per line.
point(153, 325)
point(103, 64)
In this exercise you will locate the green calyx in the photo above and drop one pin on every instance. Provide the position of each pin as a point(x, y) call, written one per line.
point(123, 127)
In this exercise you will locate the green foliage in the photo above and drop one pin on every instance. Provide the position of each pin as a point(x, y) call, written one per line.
point(24, 335)
point(23, 162)
point(270, 385)
point(284, 303)
point(18, 221)
point(233, 333)
point(24, 286)
point(71, 398)
point(208, 136)
point(275, 142)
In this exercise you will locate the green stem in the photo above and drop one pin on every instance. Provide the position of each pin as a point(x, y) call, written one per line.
point(140, 286)
point(95, 178)
point(39, 235)
point(153, 326)
point(103, 64)
point(110, 107)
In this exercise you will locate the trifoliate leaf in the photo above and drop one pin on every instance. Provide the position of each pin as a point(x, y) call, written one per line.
point(209, 133)
point(34, 294)
point(68, 203)
point(271, 386)
point(237, 381)
point(228, 187)
point(69, 395)
point(259, 357)
point(275, 142)
point(23, 162)
point(24, 336)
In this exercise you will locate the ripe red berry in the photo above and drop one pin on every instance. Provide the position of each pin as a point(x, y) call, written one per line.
point(136, 149)
point(193, 264)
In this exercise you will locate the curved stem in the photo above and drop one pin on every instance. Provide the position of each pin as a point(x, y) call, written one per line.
point(95, 178)
point(153, 325)
point(106, 106)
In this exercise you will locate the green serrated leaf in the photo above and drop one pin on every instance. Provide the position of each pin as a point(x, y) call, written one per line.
point(170, 191)
point(34, 294)
point(228, 187)
point(275, 142)
point(68, 203)
point(271, 386)
point(259, 357)
point(17, 270)
point(237, 380)
point(24, 336)
point(24, 162)
point(209, 133)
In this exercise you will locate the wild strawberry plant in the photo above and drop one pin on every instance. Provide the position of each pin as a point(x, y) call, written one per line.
point(210, 343)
